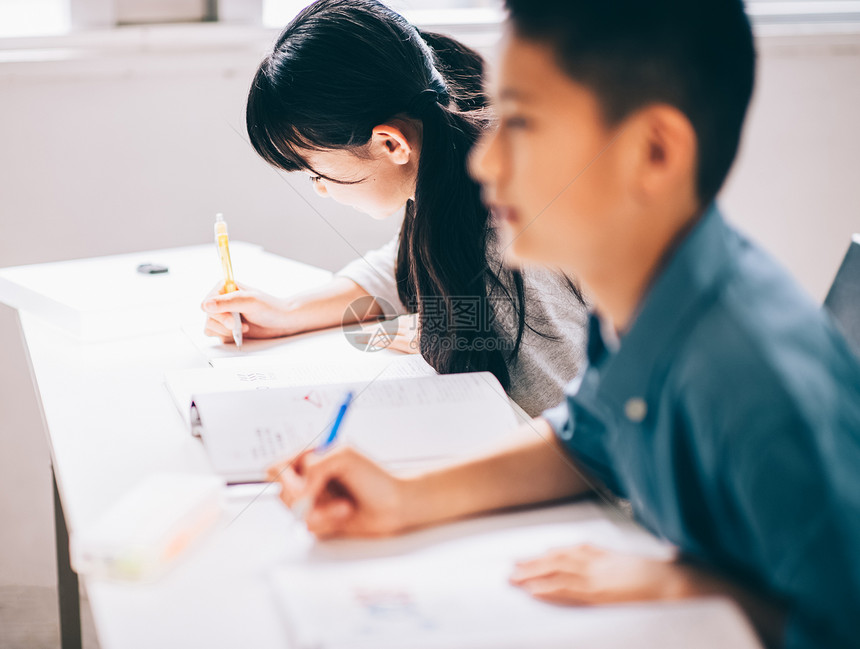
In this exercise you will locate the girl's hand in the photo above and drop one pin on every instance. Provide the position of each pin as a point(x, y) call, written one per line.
point(263, 316)
point(585, 575)
point(346, 493)
point(400, 334)
point(406, 337)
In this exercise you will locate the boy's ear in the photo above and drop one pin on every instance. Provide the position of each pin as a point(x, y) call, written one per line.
point(389, 140)
point(667, 156)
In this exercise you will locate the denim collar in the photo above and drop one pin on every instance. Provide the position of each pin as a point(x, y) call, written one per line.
point(687, 282)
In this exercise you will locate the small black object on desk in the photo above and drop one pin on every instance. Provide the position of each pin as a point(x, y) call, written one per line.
point(152, 269)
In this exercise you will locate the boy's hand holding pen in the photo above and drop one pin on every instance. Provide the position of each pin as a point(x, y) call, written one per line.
point(301, 506)
point(337, 491)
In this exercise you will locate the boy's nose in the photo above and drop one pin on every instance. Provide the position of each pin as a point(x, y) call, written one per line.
point(482, 163)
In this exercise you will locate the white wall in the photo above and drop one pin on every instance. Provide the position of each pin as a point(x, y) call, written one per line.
point(138, 150)
point(796, 187)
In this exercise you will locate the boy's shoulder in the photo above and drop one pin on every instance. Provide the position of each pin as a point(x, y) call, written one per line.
point(760, 343)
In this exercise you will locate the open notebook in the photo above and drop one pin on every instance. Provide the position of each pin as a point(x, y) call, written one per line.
point(263, 373)
point(400, 415)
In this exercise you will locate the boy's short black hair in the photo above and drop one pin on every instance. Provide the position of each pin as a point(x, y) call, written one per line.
point(696, 55)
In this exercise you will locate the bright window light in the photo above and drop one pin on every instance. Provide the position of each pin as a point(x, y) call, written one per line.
point(277, 13)
point(33, 17)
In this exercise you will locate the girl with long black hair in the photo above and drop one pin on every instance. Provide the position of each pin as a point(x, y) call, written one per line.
point(382, 117)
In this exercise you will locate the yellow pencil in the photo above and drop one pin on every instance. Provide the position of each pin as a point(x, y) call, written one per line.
point(229, 283)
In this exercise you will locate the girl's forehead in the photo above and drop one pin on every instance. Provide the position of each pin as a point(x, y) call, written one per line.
point(337, 158)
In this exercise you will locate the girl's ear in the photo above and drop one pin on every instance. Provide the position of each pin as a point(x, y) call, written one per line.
point(391, 141)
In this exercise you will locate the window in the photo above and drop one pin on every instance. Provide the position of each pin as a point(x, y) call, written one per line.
point(811, 12)
point(277, 13)
point(39, 17)
point(33, 17)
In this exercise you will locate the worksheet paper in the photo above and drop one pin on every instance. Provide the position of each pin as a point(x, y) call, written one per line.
point(397, 421)
point(333, 343)
point(456, 594)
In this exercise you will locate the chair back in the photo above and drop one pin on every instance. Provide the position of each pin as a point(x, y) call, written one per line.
point(843, 299)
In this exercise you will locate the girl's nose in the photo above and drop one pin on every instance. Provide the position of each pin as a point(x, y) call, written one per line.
point(319, 187)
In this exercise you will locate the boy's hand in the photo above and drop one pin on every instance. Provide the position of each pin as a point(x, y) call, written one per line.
point(585, 575)
point(347, 494)
point(263, 316)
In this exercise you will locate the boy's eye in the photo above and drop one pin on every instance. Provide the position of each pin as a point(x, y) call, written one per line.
point(315, 179)
point(515, 122)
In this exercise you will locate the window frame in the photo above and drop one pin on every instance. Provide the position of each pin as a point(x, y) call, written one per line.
point(102, 13)
point(779, 17)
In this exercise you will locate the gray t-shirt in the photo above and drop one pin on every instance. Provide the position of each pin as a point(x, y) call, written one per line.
point(545, 363)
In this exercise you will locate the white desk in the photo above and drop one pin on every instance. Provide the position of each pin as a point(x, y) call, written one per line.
point(110, 423)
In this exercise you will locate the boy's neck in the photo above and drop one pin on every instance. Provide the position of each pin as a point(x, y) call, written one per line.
point(622, 280)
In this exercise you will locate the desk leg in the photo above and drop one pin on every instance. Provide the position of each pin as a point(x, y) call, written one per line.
point(67, 580)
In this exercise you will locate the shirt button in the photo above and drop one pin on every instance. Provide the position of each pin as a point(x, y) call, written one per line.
point(636, 409)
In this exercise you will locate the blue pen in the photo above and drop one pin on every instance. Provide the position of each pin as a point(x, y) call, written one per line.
point(335, 427)
point(301, 507)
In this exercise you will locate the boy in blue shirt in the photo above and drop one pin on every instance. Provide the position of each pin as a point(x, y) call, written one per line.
point(718, 398)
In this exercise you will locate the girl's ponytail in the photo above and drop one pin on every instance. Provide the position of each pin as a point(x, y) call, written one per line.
point(442, 262)
point(461, 67)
